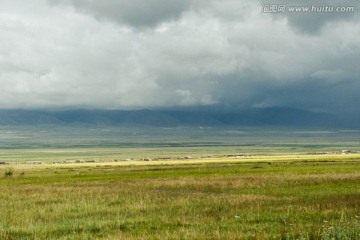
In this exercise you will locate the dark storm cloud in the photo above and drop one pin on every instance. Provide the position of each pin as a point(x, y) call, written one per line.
point(136, 13)
point(137, 54)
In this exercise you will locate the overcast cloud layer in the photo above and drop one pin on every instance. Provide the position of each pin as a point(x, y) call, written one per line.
point(165, 53)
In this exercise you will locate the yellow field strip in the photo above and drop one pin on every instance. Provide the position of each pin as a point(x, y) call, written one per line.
point(241, 159)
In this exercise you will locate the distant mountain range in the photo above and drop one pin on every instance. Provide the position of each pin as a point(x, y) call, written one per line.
point(274, 116)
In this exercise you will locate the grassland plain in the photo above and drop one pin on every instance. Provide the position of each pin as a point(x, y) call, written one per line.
point(55, 143)
point(265, 197)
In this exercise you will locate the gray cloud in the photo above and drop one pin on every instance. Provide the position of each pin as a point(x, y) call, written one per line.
point(322, 13)
point(64, 54)
point(136, 13)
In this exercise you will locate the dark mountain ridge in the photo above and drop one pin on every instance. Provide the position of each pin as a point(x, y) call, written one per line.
point(274, 116)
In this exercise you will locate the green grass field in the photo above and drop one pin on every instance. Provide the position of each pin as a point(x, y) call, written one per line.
point(239, 184)
point(264, 197)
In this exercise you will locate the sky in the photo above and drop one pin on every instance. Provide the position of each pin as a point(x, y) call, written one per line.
point(125, 54)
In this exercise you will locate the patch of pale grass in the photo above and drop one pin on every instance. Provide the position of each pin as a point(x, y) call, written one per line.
point(241, 159)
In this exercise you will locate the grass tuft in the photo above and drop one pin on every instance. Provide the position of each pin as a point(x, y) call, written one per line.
point(9, 173)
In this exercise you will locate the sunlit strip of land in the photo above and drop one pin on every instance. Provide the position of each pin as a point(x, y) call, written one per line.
point(191, 161)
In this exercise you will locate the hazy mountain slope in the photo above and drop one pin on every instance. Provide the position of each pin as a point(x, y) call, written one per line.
point(171, 118)
point(21, 117)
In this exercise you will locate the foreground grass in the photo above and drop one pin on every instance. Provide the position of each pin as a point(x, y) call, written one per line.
point(236, 200)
